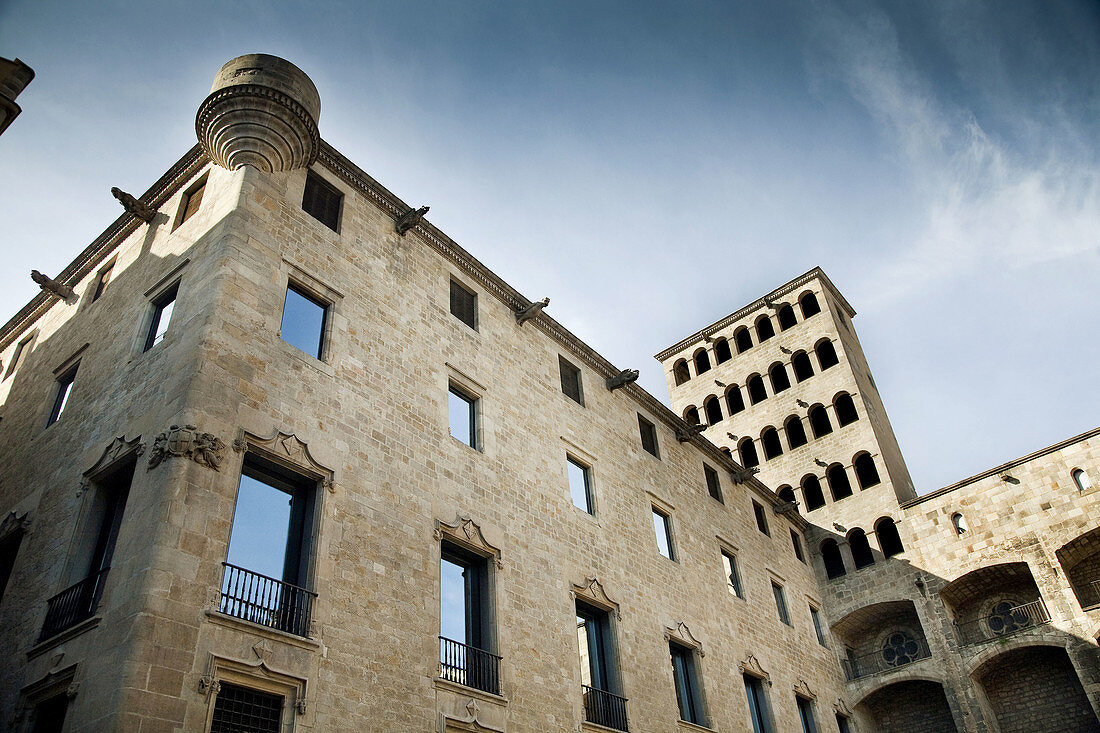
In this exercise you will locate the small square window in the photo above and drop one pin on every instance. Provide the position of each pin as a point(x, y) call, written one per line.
point(191, 201)
point(648, 433)
point(64, 389)
point(662, 527)
point(464, 305)
point(570, 381)
point(240, 709)
point(781, 603)
point(462, 416)
point(796, 541)
point(580, 484)
point(819, 630)
point(714, 486)
point(322, 201)
point(733, 578)
point(162, 317)
point(304, 320)
point(21, 351)
point(761, 518)
point(101, 280)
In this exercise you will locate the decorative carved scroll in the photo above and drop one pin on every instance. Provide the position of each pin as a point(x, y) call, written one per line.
point(802, 689)
point(466, 533)
point(53, 287)
point(751, 666)
point(205, 449)
point(623, 378)
point(682, 635)
point(593, 593)
point(139, 209)
point(409, 219)
point(523, 315)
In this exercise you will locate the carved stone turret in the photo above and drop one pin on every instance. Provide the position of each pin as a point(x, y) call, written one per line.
point(623, 378)
point(53, 287)
point(523, 315)
point(139, 209)
point(409, 219)
point(262, 112)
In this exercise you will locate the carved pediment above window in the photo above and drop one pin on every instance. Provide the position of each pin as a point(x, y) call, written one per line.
point(681, 634)
point(592, 592)
point(288, 450)
point(751, 666)
point(466, 533)
point(803, 690)
point(118, 450)
point(14, 524)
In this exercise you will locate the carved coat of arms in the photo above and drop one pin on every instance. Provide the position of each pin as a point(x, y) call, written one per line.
point(185, 441)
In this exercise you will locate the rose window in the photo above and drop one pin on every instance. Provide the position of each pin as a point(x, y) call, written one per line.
point(900, 648)
point(1007, 617)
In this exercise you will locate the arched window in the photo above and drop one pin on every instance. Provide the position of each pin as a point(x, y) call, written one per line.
point(888, 540)
point(958, 521)
point(764, 329)
point(691, 415)
point(680, 372)
point(808, 303)
point(785, 314)
point(769, 438)
point(742, 339)
point(819, 421)
point(778, 374)
point(786, 493)
point(796, 433)
point(702, 361)
point(811, 492)
point(826, 354)
point(713, 409)
point(1084, 483)
point(845, 409)
point(839, 485)
point(830, 556)
point(861, 548)
point(803, 369)
point(734, 401)
point(722, 351)
point(866, 472)
point(757, 393)
point(747, 451)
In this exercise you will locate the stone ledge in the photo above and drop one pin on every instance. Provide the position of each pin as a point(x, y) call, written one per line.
point(685, 725)
point(441, 684)
point(58, 639)
point(232, 622)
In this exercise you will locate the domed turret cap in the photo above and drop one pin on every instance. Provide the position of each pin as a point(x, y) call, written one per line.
point(262, 111)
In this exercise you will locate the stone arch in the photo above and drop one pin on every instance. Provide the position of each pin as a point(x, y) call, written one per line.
point(777, 373)
point(832, 558)
point(757, 392)
point(769, 441)
point(845, 408)
point(807, 302)
point(742, 339)
point(702, 361)
point(680, 372)
point(839, 485)
point(691, 415)
point(764, 328)
point(908, 706)
point(712, 408)
point(889, 541)
point(735, 401)
point(722, 352)
point(862, 555)
point(786, 317)
point(826, 354)
point(880, 638)
point(803, 367)
point(746, 449)
point(812, 493)
point(820, 425)
point(1080, 561)
point(796, 431)
point(866, 471)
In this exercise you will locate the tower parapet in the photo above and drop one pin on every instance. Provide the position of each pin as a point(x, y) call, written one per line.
point(262, 111)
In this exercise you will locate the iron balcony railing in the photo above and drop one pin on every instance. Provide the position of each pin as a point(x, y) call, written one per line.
point(73, 605)
point(469, 666)
point(1006, 620)
point(266, 601)
point(886, 659)
point(604, 708)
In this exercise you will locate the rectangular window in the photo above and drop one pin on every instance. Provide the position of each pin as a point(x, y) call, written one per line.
point(465, 622)
point(570, 381)
point(688, 691)
point(663, 529)
point(761, 518)
point(733, 578)
point(648, 432)
point(781, 603)
point(191, 201)
point(806, 714)
point(580, 484)
point(815, 616)
point(241, 710)
point(21, 351)
point(162, 317)
point(758, 706)
point(842, 724)
point(714, 486)
point(101, 280)
point(305, 318)
point(61, 399)
point(49, 715)
point(462, 416)
point(322, 201)
point(270, 547)
point(599, 675)
point(464, 305)
point(9, 549)
point(796, 542)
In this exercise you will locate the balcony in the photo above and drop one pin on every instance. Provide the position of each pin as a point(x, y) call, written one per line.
point(1007, 619)
point(74, 604)
point(604, 708)
point(469, 666)
point(266, 601)
point(898, 651)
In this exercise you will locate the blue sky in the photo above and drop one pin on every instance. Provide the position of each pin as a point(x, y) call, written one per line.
point(654, 166)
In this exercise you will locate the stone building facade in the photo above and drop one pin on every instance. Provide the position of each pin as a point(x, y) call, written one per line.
point(267, 320)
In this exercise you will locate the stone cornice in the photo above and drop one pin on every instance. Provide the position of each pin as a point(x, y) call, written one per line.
point(104, 244)
point(761, 302)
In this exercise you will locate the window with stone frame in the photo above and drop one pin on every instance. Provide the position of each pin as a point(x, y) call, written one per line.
point(580, 484)
point(102, 278)
point(781, 603)
point(64, 388)
point(648, 434)
point(467, 631)
point(733, 576)
point(20, 353)
point(662, 528)
point(191, 201)
point(464, 304)
point(162, 307)
point(686, 678)
point(761, 517)
point(714, 485)
point(759, 710)
point(322, 201)
point(305, 320)
point(819, 627)
point(240, 709)
point(462, 415)
point(570, 380)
